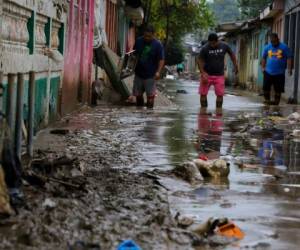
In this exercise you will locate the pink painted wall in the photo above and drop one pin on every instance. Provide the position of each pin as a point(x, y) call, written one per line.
point(78, 55)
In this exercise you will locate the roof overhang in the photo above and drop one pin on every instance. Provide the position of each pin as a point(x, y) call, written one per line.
point(275, 8)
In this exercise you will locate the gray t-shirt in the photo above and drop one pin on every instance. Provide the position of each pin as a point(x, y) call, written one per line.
point(214, 58)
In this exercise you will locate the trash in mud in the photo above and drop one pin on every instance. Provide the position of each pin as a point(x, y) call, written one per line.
point(48, 203)
point(219, 226)
point(214, 168)
point(189, 172)
point(294, 118)
point(81, 245)
point(230, 230)
point(208, 228)
point(183, 221)
point(181, 91)
point(128, 245)
point(60, 131)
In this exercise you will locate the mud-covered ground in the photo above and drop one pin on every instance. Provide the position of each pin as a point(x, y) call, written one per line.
point(108, 176)
point(111, 203)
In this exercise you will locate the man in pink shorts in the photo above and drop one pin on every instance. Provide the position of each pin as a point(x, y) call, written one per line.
point(211, 66)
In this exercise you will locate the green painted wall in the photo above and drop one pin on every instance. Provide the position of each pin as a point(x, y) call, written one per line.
point(53, 105)
point(40, 100)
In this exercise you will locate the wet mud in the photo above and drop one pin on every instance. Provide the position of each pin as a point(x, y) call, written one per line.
point(125, 186)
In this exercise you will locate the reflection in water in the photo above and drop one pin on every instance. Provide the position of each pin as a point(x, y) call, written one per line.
point(271, 149)
point(209, 134)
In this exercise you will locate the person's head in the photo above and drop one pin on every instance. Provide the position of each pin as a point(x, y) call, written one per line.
point(274, 39)
point(213, 39)
point(149, 34)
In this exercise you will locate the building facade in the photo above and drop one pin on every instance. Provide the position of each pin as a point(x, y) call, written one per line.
point(27, 27)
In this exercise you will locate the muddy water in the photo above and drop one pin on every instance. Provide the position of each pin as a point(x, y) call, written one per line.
point(265, 207)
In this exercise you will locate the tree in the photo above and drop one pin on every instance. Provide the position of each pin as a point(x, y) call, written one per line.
point(225, 10)
point(173, 19)
point(252, 8)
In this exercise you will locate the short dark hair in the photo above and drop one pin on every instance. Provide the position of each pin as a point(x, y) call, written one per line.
point(149, 28)
point(213, 37)
point(274, 35)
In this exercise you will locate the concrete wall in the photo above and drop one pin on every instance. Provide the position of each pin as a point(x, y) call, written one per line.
point(26, 27)
point(290, 8)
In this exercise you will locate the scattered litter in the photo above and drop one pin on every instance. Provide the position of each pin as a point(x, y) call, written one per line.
point(48, 203)
point(128, 245)
point(183, 221)
point(181, 91)
point(286, 190)
point(209, 227)
point(230, 230)
point(294, 117)
point(189, 172)
point(203, 157)
point(215, 168)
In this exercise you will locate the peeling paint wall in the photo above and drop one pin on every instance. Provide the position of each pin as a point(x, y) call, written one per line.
point(78, 55)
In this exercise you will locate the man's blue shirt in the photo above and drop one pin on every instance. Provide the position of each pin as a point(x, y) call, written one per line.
point(276, 58)
point(149, 56)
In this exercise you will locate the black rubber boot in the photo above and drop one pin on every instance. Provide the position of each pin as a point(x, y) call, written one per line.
point(277, 99)
point(203, 101)
point(267, 98)
point(139, 101)
point(150, 102)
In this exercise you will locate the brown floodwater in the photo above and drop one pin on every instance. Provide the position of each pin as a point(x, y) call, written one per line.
point(263, 199)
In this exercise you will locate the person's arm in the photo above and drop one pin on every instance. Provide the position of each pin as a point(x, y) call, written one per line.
point(201, 64)
point(233, 59)
point(161, 63)
point(263, 61)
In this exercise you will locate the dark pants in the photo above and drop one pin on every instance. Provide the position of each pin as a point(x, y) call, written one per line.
point(278, 83)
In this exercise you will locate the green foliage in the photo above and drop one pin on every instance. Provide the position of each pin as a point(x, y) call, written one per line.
point(176, 18)
point(173, 19)
point(252, 8)
point(225, 10)
point(174, 53)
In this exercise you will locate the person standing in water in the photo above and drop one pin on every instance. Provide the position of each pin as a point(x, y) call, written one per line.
point(275, 59)
point(211, 64)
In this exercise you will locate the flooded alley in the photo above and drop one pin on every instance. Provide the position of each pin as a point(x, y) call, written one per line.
point(106, 174)
point(262, 197)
